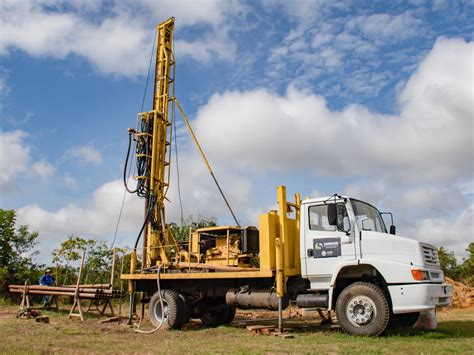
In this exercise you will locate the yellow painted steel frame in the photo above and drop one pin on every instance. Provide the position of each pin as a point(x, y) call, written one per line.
point(159, 242)
point(280, 240)
point(279, 249)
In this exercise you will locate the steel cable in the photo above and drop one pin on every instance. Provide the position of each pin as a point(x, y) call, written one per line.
point(125, 180)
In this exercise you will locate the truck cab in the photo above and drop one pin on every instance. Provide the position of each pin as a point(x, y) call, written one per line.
point(366, 270)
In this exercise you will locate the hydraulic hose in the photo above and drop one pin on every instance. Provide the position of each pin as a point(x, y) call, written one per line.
point(126, 165)
point(147, 218)
point(161, 305)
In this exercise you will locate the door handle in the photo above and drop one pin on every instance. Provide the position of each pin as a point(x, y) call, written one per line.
point(310, 252)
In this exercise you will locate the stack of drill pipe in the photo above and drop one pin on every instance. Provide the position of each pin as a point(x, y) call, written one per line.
point(104, 286)
point(84, 292)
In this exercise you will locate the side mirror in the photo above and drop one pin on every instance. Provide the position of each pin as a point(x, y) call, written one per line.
point(332, 214)
point(393, 229)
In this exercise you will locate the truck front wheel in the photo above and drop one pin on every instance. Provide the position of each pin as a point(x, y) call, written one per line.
point(362, 309)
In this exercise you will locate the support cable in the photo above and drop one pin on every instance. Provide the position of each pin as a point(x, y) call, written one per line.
point(125, 180)
point(173, 126)
point(177, 168)
point(205, 160)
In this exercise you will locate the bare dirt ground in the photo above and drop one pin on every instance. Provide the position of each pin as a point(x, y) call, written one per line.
point(455, 334)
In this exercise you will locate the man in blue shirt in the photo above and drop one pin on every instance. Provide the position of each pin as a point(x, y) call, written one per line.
point(47, 280)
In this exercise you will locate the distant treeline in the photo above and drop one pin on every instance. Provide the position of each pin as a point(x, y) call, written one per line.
point(464, 271)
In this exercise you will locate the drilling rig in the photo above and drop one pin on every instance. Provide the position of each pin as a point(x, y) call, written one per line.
point(153, 155)
point(326, 253)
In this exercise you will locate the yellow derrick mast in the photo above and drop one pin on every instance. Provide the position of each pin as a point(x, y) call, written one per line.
point(153, 139)
point(153, 154)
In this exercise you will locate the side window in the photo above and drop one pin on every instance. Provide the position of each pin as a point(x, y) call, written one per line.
point(318, 219)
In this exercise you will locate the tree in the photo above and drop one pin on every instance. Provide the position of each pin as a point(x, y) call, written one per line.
point(181, 233)
point(69, 252)
point(448, 263)
point(17, 250)
point(467, 267)
point(97, 263)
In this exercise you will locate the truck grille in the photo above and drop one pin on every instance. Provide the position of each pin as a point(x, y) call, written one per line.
point(430, 255)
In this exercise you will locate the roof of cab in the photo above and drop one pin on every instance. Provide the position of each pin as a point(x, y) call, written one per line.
point(321, 199)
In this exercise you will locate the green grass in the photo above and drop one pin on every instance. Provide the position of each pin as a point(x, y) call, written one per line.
point(455, 334)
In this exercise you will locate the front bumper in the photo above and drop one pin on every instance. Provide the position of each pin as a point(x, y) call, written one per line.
point(420, 297)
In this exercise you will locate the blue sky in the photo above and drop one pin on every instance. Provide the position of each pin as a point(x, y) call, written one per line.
point(371, 99)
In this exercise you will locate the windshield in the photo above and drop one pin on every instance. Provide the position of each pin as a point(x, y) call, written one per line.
point(368, 217)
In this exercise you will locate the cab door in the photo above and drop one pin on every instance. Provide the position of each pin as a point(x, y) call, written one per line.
point(326, 246)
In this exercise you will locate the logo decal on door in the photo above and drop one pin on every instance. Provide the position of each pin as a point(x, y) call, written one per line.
point(327, 247)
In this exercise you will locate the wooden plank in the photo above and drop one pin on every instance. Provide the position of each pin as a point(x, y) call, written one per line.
point(284, 335)
point(77, 300)
point(110, 320)
point(259, 327)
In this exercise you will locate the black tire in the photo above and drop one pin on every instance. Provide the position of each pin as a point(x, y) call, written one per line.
point(214, 319)
point(230, 315)
point(404, 320)
point(173, 306)
point(186, 309)
point(363, 309)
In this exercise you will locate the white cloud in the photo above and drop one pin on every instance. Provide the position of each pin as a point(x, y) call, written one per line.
point(344, 56)
point(298, 131)
point(86, 154)
point(453, 233)
point(95, 219)
point(14, 157)
point(4, 87)
point(70, 182)
point(215, 45)
point(467, 187)
point(16, 161)
point(190, 12)
point(387, 27)
point(303, 11)
point(414, 163)
point(43, 169)
point(114, 44)
point(433, 213)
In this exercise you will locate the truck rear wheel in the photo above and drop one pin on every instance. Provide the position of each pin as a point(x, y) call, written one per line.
point(362, 309)
point(213, 319)
point(186, 309)
point(230, 315)
point(171, 316)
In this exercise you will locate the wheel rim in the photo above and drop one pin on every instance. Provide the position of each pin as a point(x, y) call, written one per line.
point(361, 310)
point(161, 317)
